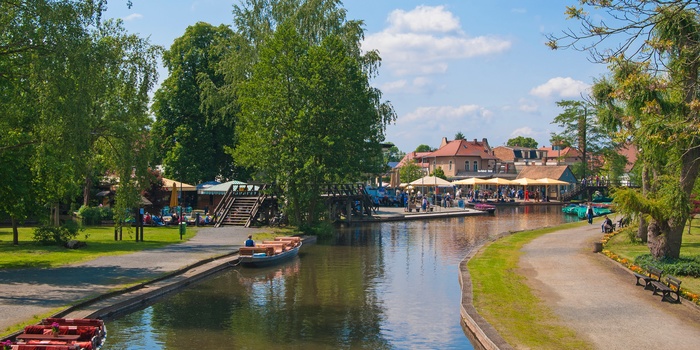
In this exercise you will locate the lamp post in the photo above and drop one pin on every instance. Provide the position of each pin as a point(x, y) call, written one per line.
point(182, 199)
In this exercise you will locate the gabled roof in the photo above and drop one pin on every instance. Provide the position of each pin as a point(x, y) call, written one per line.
point(417, 156)
point(540, 171)
point(464, 148)
point(566, 152)
point(630, 152)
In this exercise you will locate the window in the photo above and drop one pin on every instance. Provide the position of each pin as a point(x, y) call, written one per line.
point(450, 168)
point(476, 166)
point(466, 165)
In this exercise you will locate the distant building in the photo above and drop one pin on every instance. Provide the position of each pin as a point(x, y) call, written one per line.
point(557, 155)
point(514, 158)
point(462, 158)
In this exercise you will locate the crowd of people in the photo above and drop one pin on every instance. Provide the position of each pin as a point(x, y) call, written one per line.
point(175, 219)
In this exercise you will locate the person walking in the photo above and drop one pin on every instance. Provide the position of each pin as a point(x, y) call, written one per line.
point(589, 213)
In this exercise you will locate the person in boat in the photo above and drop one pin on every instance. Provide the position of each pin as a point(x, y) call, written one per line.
point(250, 242)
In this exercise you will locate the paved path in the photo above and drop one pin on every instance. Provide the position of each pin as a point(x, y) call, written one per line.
point(598, 298)
point(25, 293)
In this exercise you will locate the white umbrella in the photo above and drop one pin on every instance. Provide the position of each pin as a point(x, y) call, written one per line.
point(471, 181)
point(499, 181)
point(431, 181)
point(525, 181)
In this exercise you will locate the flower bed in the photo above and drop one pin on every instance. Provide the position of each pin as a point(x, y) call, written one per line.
point(630, 265)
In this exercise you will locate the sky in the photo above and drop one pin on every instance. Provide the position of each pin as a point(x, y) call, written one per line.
point(476, 67)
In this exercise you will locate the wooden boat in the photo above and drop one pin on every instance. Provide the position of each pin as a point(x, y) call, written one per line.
point(489, 208)
point(270, 252)
point(62, 334)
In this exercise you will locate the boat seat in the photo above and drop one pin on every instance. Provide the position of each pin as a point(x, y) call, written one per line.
point(249, 251)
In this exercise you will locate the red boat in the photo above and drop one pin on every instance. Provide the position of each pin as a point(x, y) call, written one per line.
point(60, 334)
point(485, 207)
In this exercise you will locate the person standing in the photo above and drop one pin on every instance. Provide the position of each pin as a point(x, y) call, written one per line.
point(589, 213)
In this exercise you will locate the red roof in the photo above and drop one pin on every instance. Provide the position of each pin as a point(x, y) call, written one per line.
point(463, 148)
point(566, 152)
point(417, 156)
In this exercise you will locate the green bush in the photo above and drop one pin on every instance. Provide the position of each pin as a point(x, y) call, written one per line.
point(56, 235)
point(684, 266)
point(94, 215)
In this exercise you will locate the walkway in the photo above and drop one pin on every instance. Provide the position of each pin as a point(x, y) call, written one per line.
point(598, 298)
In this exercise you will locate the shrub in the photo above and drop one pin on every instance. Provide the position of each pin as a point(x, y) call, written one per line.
point(684, 266)
point(56, 235)
point(94, 215)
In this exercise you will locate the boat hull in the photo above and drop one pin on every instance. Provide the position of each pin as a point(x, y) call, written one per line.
point(262, 261)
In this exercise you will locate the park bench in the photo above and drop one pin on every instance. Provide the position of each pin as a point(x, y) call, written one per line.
point(654, 275)
point(672, 285)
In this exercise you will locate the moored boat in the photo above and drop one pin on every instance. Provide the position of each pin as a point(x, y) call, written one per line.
point(61, 333)
point(489, 208)
point(270, 252)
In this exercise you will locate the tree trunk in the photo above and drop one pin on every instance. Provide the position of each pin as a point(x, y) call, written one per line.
point(86, 190)
point(658, 244)
point(643, 229)
point(15, 231)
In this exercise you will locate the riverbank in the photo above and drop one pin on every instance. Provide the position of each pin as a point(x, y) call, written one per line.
point(591, 295)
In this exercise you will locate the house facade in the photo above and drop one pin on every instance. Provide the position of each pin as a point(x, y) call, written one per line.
point(462, 158)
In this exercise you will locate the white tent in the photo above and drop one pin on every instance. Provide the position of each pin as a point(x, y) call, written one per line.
point(431, 181)
point(220, 188)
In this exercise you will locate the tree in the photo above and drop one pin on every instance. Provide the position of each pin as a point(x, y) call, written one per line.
point(521, 141)
point(75, 90)
point(423, 148)
point(308, 115)
point(581, 128)
point(410, 171)
point(459, 136)
point(394, 155)
point(190, 133)
point(651, 99)
point(438, 172)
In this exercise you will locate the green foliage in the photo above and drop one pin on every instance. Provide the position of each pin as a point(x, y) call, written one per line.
point(683, 266)
point(56, 235)
point(410, 172)
point(438, 172)
point(459, 136)
point(192, 130)
point(94, 215)
point(521, 141)
point(308, 115)
point(423, 148)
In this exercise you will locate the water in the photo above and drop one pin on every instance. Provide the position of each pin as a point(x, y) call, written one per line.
point(379, 286)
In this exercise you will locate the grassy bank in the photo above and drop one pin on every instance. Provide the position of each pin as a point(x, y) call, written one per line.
point(100, 242)
point(506, 302)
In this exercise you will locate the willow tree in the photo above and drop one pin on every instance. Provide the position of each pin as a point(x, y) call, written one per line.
point(308, 115)
point(651, 99)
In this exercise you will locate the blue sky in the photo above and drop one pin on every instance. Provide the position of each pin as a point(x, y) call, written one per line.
point(476, 67)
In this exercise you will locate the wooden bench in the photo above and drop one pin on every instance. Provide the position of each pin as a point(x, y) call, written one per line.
point(672, 285)
point(654, 275)
point(249, 251)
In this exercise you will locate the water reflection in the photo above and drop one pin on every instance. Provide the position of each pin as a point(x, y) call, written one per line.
point(380, 286)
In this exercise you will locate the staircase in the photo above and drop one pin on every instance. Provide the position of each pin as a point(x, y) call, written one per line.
point(240, 205)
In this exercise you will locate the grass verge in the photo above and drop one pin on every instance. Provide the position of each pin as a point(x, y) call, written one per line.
point(507, 303)
point(100, 242)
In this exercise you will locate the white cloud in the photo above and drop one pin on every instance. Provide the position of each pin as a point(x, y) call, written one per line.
point(524, 131)
point(445, 114)
point(394, 86)
point(133, 17)
point(423, 41)
point(527, 106)
point(561, 87)
point(423, 19)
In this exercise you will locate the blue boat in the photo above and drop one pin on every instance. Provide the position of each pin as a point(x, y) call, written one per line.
point(270, 252)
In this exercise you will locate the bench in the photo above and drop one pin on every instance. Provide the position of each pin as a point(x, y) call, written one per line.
point(654, 275)
point(672, 285)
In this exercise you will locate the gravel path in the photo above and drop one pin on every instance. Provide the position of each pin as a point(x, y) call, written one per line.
point(598, 298)
point(25, 293)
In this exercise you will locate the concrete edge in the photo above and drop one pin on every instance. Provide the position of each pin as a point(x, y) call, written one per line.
point(480, 331)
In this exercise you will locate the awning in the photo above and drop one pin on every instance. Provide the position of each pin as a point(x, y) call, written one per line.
point(168, 185)
point(220, 189)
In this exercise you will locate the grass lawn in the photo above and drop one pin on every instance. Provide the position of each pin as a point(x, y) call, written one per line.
point(506, 302)
point(100, 241)
point(621, 245)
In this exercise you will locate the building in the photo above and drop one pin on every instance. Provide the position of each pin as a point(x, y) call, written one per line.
point(461, 159)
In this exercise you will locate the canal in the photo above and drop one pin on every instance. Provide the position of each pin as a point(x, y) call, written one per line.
point(391, 285)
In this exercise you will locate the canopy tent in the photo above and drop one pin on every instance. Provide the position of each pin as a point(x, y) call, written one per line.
point(168, 185)
point(471, 181)
point(431, 181)
point(206, 184)
point(221, 188)
point(499, 181)
point(527, 182)
point(549, 181)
